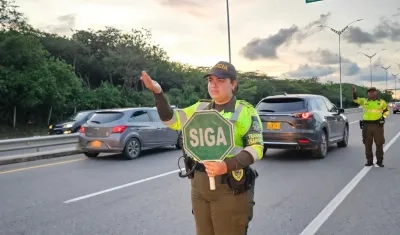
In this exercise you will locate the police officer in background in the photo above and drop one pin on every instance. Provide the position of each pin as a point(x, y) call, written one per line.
point(375, 112)
point(228, 209)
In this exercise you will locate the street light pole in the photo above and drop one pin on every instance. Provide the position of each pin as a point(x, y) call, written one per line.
point(229, 30)
point(370, 61)
point(395, 85)
point(339, 33)
point(386, 71)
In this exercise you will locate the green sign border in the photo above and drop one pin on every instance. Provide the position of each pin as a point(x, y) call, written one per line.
point(208, 112)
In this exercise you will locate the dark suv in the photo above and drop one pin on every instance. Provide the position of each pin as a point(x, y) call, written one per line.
point(302, 122)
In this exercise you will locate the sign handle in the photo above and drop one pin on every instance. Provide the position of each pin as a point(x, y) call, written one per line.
point(212, 182)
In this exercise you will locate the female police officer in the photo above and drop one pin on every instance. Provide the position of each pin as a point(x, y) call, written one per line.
point(228, 209)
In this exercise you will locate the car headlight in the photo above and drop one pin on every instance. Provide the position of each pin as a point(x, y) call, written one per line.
point(69, 125)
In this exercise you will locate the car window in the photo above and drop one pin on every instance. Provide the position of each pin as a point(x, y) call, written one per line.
point(321, 106)
point(312, 105)
point(78, 116)
point(106, 117)
point(89, 116)
point(154, 116)
point(139, 116)
point(331, 107)
point(281, 105)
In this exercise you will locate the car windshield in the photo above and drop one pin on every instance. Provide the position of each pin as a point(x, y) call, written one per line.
point(105, 117)
point(281, 105)
point(78, 116)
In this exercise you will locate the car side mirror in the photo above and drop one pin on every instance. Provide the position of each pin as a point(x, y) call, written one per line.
point(341, 111)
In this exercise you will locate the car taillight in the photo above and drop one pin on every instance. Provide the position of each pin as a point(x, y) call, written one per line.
point(305, 115)
point(303, 141)
point(118, 129)
point(82, 129)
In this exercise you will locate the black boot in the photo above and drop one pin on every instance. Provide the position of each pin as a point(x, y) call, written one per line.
point(380, 164)
point(369, 164)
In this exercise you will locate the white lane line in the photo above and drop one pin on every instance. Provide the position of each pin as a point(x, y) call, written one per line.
point(313, 227)
point(121, 186)
point(353, 122)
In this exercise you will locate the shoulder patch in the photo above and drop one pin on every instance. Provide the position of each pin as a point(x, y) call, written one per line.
point(245, 103)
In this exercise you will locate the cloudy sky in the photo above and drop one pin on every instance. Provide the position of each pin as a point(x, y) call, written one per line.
point(277, 37)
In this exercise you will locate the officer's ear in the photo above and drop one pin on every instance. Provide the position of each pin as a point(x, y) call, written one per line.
point(235, 90)
point(235, 85)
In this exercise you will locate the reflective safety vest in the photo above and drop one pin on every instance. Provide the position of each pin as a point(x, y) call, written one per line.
point(241, 118)
point(373, 110)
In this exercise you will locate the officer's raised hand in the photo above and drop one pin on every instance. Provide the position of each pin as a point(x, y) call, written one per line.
point(150, 84)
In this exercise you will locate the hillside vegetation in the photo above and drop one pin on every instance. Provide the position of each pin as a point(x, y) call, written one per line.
point(46, 77)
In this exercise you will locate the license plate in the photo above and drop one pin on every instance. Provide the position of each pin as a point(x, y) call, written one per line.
point(273, 125)
point(96, 144)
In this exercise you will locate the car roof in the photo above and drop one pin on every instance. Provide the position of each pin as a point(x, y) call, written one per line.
point(293, 96)
point(125, 109)
point(86, 111)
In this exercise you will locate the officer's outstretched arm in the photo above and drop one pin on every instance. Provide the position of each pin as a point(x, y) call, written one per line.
point(359, 101)
point(173, 118)
point(250, 129)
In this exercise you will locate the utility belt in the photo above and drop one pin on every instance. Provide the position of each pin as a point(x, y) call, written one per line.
point(378, 122)
point(239, 181)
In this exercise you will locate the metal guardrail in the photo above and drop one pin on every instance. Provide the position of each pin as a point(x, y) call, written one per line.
point(38, 143)
point(37, 147)
point(52, 145)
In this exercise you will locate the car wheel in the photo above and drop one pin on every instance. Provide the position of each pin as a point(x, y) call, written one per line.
point(132, 149)
point(179, 145)
point(91, 154)
point(322, 149)
point(345, 140)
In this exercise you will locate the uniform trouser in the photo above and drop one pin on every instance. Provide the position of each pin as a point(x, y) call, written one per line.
point(373, 132)
point(219, 211)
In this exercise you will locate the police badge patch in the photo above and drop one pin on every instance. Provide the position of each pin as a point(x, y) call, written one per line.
point(256, 126)
point(238, 174)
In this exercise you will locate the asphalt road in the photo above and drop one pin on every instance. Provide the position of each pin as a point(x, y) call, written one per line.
point(294, 193)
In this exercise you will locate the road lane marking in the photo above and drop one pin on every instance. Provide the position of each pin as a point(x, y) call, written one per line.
point(39, 166)
point(353, 122)
point(122, 186)
point(318, 221)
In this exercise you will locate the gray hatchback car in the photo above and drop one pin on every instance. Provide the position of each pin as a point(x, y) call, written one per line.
point(127, 131)
point(302, 122)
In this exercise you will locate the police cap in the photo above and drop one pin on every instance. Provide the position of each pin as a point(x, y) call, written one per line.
point(371, 89)
point(223, 70)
